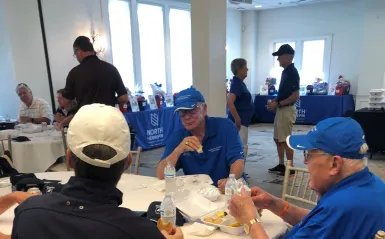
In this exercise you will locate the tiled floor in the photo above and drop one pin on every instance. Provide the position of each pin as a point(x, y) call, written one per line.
point(262, 155)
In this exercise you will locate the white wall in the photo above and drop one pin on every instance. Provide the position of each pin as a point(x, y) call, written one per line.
point(8, 81)
point(343, 20)
point(233, 38)
point(26, 45)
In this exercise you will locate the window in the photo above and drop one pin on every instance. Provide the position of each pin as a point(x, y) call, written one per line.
point(312, 58)
point(276, 71)
point(152, 48)
point(120, 27)
point(312, 61)
point(180, 46)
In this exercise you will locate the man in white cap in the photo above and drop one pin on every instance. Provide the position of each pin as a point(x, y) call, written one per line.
point(88, 205)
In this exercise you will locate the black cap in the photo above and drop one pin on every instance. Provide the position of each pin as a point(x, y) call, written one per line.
point(285, 49)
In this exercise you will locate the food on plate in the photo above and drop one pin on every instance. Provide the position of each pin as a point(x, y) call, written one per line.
point(221, 214)
point(164, 226)
point(200, 149)
point(235, 224)
point(212, 220)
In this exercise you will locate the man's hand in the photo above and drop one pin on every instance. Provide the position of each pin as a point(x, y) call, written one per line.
point(238, 123)
point(261, 199)
point(59, 118)
point(21, 196)
point(242, 207)
point(25, 119)
point(222, 184)
point(273, 105)
point(190, 143)
point(175, 234)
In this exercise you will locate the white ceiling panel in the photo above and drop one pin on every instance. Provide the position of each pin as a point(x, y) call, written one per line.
point(269, 4)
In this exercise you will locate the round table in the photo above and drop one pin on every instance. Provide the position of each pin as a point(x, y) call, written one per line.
point(138, 193)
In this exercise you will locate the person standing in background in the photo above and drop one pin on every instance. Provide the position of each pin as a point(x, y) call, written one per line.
point(93, 80)
point(239, 101)
point(286, 113)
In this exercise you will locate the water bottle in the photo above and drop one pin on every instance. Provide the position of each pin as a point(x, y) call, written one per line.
point(170, 178)
point(231, 187)
point(168, 209)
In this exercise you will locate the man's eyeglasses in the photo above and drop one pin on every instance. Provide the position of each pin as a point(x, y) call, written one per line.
point(76, 51)
point(308, 155)
point(193, 111)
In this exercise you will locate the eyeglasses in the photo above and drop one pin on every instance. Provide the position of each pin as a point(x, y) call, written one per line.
point(76, 51)
point(308, 155)
point(191, 112)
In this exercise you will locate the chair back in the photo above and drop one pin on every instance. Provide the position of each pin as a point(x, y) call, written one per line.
point(298, 188)
point(134, 167)
point(8, 141)
point(380, 235)
point(64, 137)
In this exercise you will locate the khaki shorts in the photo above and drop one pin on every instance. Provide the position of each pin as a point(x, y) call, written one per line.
point(283, 122)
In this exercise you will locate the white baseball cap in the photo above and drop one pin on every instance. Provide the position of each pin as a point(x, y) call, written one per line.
point(99, 124)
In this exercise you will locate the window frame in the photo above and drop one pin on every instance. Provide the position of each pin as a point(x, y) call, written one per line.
point(299, 44)
point(136, 54)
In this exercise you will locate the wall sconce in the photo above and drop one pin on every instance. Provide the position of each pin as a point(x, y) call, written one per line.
point(97, 42)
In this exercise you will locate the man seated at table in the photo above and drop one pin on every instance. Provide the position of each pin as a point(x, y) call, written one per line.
point(66, 110)
point(351, 203)
point(88, 205)
point(32, 109)
point(206, 145)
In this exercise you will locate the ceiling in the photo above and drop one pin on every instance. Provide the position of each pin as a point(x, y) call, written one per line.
point(269, 4)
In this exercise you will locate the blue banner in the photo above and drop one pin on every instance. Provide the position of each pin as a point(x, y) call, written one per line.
point(311, 109)
point(153, 127)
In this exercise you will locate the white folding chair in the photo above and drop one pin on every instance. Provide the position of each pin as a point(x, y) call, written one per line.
point(380, 235)
point(8, 141)
point(298, 188)
point(134, 167)
point(58, 167)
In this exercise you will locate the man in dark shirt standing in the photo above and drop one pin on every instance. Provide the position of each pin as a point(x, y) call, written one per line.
point(288, 94)
point(88, 205)
point(93, 80)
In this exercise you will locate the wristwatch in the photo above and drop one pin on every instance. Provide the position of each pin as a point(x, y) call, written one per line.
point(279, 105)
point(247, 226)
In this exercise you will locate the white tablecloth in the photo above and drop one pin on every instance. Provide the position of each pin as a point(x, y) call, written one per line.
point(38, 154)
point(138, 193)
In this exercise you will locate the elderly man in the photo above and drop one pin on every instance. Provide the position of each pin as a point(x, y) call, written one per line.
point(351, 203)
point(32, 109)
point(88, 205)
point(288, 94)
point(206, 145)
point(93, 80)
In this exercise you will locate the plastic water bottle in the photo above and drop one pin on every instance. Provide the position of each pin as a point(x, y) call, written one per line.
point(168, 209)
point(231, 187)
point(170, 177)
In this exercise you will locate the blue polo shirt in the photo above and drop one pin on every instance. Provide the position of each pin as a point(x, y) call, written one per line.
point(352, 209)
point(221, 148)
point(243, 103)
point(289, 82)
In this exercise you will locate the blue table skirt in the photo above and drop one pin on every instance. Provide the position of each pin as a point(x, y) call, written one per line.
point(310, 109)
point(153, 127)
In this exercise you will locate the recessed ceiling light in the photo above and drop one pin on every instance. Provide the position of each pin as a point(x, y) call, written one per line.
point(258, 6)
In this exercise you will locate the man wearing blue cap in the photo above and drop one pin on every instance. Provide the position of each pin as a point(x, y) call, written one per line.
point(351, 203)
point(288, 94)
point(206, 145)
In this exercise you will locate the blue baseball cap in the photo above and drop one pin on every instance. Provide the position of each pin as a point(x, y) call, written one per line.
point(187, 99)
point(336, 136)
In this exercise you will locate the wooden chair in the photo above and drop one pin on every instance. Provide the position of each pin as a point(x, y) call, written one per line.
point(134, 168)
point(298, 188)
point(9, 143)
point(380, 235)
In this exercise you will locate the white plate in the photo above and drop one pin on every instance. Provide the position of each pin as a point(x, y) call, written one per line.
point(195, 206)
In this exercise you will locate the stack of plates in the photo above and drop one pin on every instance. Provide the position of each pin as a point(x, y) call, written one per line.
point(377, 99)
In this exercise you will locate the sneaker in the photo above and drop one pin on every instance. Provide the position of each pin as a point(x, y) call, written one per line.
point(278, 169)
point(292, 172)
